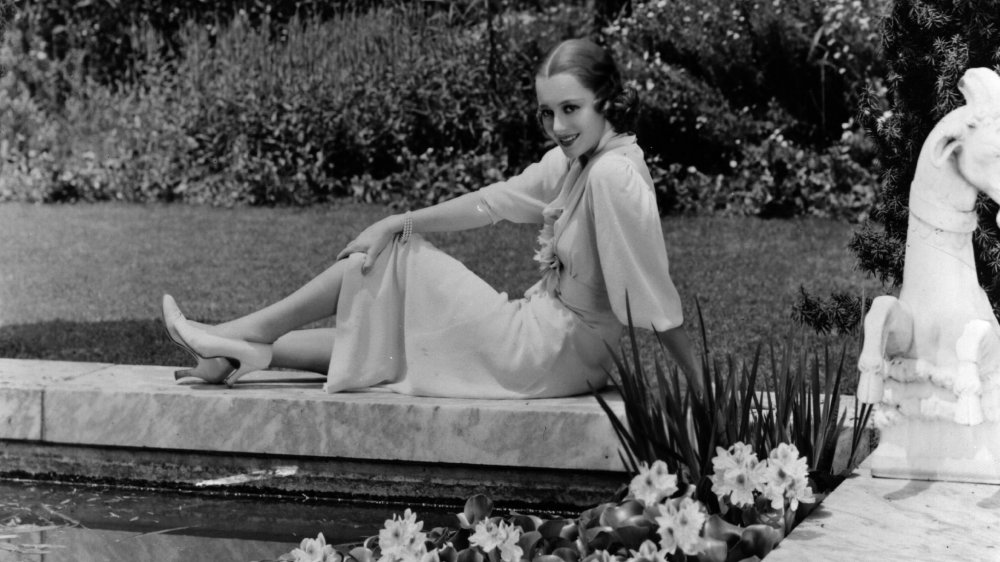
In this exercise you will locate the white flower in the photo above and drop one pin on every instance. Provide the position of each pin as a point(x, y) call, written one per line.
point(647, 553)
point(401, 538)
point(653, 483)
point(600, 556)
point(503, 536)
point(680, 523)
point(737, 473)
point(546, 253)
point(487, 536)
point(313, 550)
point(509, 550)
point(787, 477)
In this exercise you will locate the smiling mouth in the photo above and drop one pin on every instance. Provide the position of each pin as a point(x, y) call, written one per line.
point(566, 141)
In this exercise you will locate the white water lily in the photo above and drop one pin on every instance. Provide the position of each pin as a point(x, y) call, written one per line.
point(501, 536)
point(679, 525)
point(313, 550)
point(653, 483)
point(402, 539)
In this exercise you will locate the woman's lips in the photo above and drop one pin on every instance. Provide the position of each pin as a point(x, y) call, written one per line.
point(566, 141)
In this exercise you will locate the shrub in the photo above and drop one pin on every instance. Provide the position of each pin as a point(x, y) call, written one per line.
point(753, 94)
point(349, 106)
point(293, 122)
point(808, 56)
point(107, 32)
point(775, 178)
point(381, 104)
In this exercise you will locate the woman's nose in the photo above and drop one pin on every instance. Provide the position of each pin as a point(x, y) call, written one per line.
point(558, 124)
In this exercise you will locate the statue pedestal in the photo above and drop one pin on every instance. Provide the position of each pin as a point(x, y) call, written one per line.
point(921, 449)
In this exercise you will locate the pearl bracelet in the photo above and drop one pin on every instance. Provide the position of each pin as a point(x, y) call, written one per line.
point(407, 228)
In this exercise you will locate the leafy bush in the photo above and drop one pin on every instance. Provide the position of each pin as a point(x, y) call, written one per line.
point(411, 103)
point(304, 120)
point(775, 179)
point(351, 106)
point(808, 56)
point(107, 32)
point(97, 143)
point(753, 94)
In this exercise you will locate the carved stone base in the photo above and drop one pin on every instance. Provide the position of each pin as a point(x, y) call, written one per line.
point(918, 449)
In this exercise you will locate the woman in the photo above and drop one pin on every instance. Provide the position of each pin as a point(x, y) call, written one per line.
point(413, 319)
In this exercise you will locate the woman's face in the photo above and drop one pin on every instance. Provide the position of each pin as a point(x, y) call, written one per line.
point(568, 113)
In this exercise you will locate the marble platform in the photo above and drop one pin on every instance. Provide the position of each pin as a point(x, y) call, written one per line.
point(280, 431)
point(883, 519)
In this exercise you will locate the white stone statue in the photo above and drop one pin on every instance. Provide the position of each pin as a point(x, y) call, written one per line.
point(931, 357)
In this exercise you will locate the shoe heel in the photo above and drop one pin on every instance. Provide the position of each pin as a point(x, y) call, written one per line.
point(205, 372)
point(257, 360)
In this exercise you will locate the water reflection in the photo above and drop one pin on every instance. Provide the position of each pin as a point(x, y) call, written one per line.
point(112, 524)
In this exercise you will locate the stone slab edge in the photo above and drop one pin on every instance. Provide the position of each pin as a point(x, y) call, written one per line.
point(298, 477)
point(283, 413)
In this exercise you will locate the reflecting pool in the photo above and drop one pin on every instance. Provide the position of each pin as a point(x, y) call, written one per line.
point(50, 522)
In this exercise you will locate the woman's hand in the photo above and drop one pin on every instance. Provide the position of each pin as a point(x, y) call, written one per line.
point(372, 241)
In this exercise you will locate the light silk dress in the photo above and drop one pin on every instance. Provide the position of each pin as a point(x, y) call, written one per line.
point(421, 323)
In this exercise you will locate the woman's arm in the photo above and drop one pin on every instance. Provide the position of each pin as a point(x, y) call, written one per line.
point(461, 213)
point(682, 351)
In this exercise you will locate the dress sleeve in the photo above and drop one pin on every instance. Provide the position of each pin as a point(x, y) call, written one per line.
point(522, 198)
point(630, 246)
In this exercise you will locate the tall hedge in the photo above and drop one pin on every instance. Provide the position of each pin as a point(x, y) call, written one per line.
point(928, 45)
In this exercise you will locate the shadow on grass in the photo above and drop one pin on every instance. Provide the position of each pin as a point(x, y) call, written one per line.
point(123, 342)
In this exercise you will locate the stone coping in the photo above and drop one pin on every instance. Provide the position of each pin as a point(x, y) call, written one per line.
point(287, 413)
point(886, 519)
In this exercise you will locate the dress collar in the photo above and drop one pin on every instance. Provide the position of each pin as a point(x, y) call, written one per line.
point(609, 141)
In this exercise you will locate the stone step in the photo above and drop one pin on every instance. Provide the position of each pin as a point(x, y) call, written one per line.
point(278, 431)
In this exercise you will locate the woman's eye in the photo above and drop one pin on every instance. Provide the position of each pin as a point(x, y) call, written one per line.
point(569, 109)
point(545, 113)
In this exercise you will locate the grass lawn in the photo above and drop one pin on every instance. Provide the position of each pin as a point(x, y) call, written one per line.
point(83, 282)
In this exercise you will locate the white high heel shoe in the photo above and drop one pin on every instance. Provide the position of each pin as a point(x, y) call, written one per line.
point(245, 356)
point(206, 370)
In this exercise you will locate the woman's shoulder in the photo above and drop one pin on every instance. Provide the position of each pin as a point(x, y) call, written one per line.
point(620, 169)
point(554, 158)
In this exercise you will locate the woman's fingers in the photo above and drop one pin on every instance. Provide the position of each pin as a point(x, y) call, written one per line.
point(371, 242)
point(372, 254)
point(348, 250)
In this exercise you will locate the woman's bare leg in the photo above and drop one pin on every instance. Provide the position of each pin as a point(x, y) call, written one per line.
point(304, 350)
point(314, 301)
